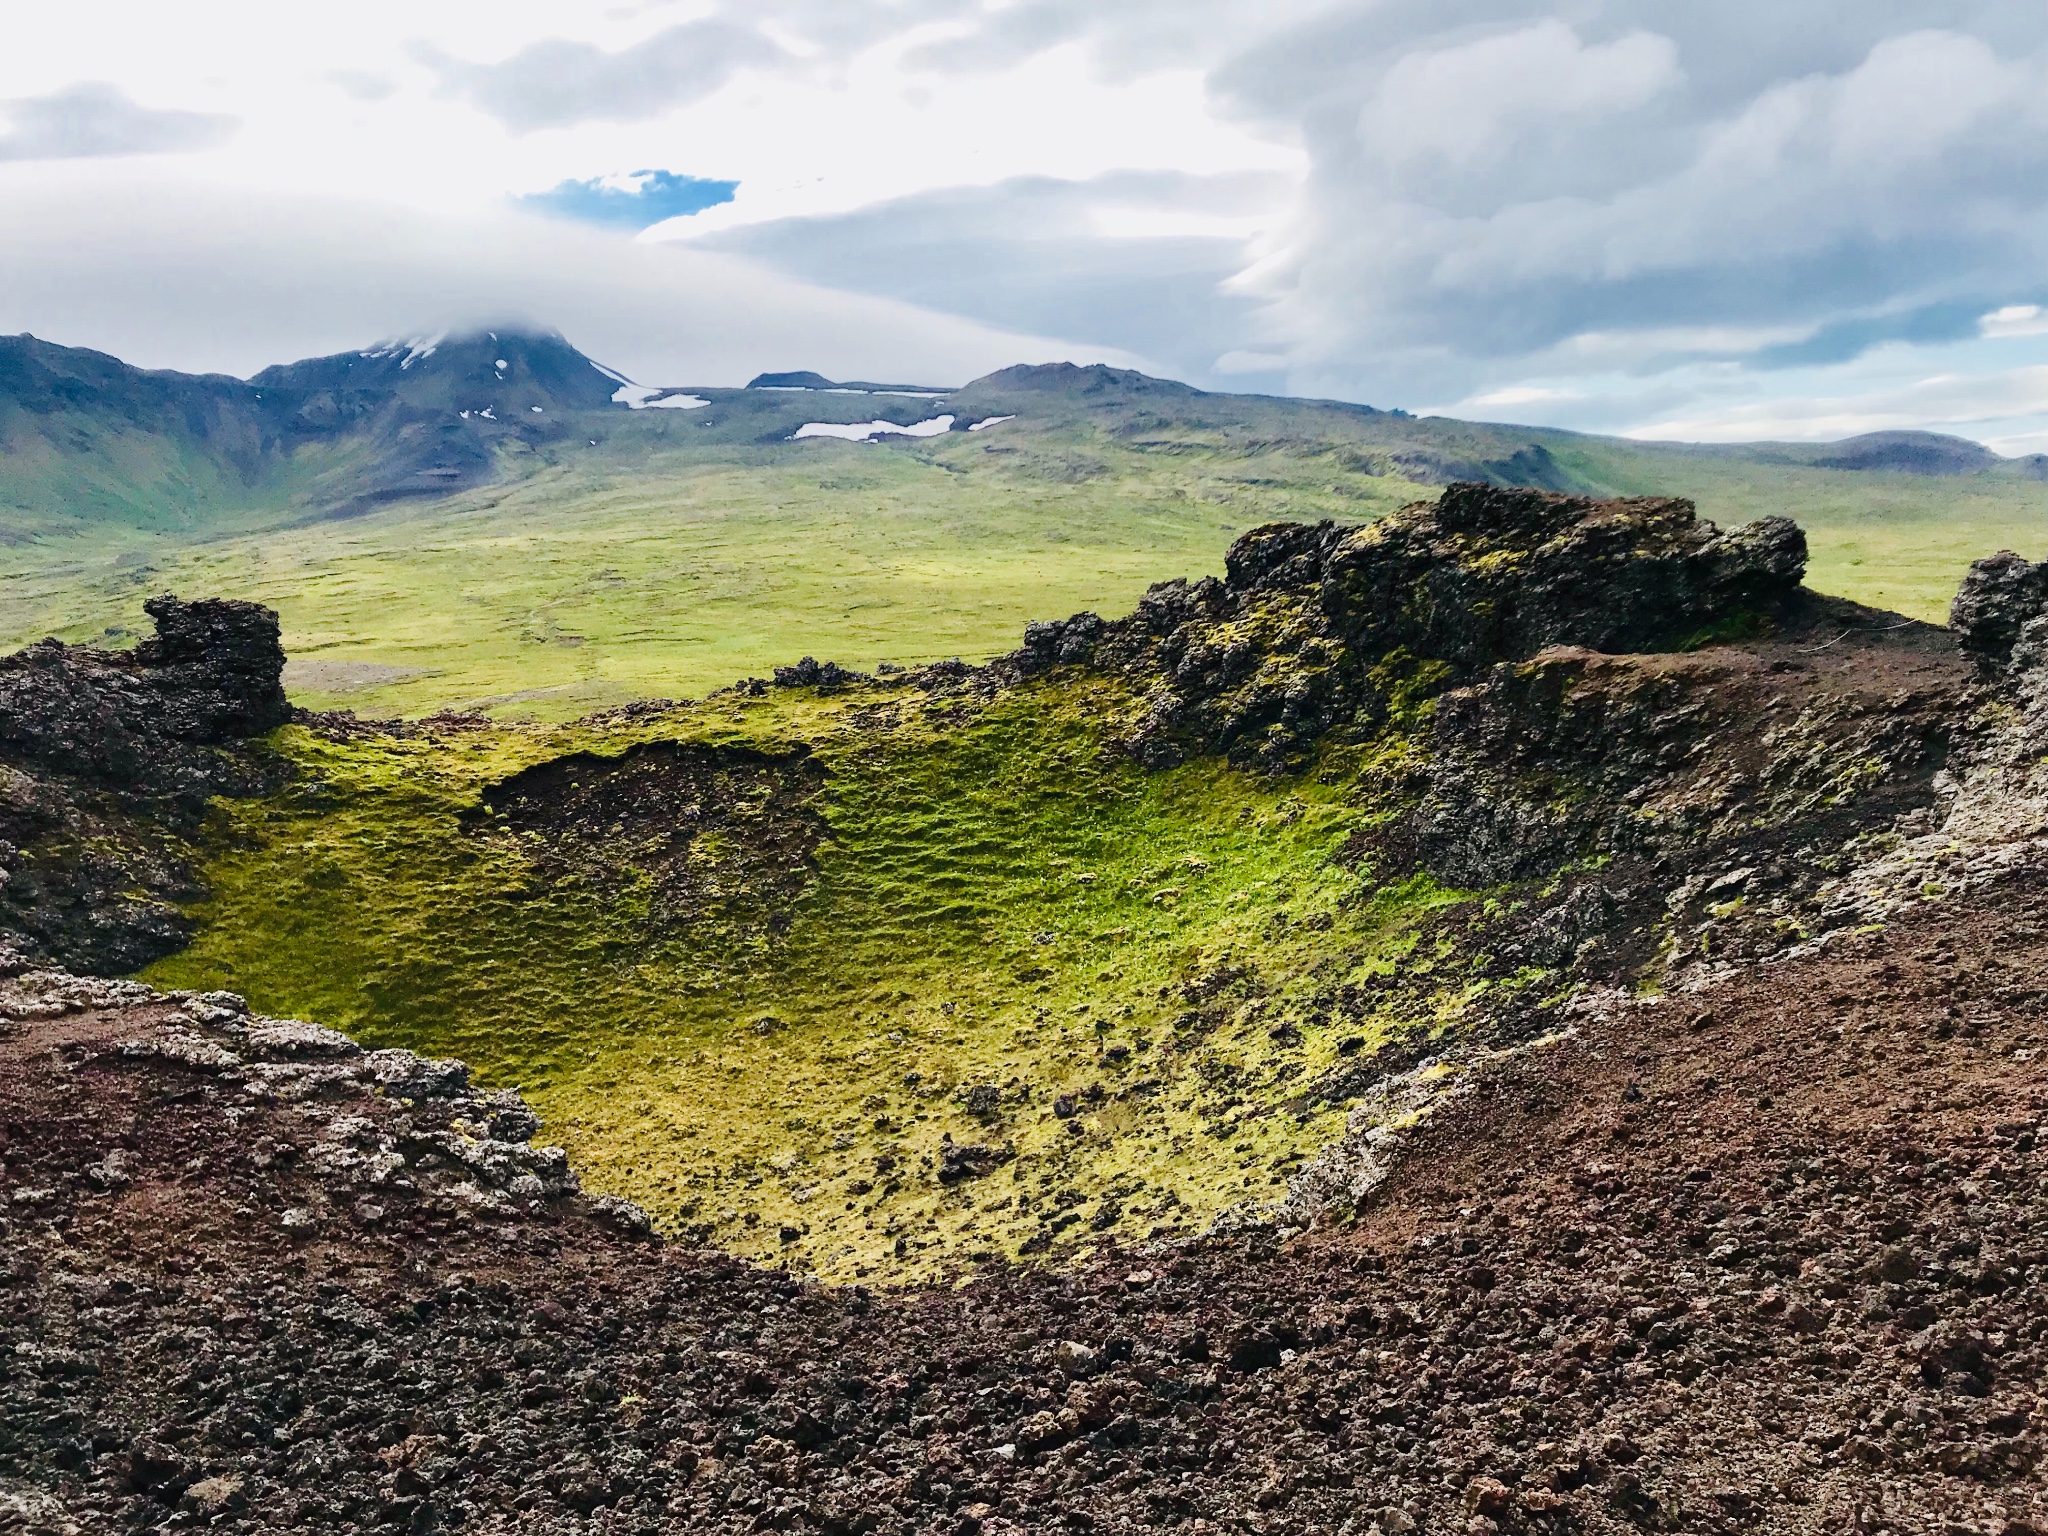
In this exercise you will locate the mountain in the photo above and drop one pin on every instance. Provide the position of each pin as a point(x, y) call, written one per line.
point(86, 438)
point(818, 381)
point(490, 371)
point(89, 443)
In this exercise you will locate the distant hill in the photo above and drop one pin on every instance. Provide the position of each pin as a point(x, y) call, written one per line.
point(1096, 381)
point(818, 381)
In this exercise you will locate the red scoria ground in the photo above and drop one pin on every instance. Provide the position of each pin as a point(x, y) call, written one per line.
point(1771, 1256)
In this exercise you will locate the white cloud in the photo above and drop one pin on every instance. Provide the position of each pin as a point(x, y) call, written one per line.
point(558, 82)
point(2016, 320)
point(94, 119)
point(1518, 394)
point(1026, 249)
point(1944, 401)
point(1473, 100)
point(1241, 362)
point(178, 274)
point(1125, 222)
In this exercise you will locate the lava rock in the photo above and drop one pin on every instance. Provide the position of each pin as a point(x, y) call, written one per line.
point(1997, 598)
point(123, 751)
point(970, 1160)
point(827, 677)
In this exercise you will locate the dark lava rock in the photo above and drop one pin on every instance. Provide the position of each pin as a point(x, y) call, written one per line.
point(1999, 595)
point(828, 677)
point(120, 751)
point(970, 1160)
point(1056, 641)
point(1314, 627)
point(128, 718)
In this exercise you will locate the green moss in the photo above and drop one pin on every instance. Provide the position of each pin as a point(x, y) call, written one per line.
point(1000, 903)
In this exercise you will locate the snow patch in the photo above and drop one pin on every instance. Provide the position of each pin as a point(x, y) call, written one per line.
point(989, 421)
point(410, 349)
point(868, 431)
point(641, 397)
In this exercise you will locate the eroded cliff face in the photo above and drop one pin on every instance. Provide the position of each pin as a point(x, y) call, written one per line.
point(107, 761)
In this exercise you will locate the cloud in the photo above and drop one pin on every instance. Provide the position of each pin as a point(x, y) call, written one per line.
point(631, 202)
point(1488, 185)
point(558, 82)
point(93, 119)
point(180, 273)
point(362, 84)
point(1479, 99)
point(2015, 320)
point(1136, 260)
point(1596, 213)
point(1947, 400)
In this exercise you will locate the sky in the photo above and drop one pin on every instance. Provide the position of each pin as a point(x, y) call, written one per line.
point(1711, 223)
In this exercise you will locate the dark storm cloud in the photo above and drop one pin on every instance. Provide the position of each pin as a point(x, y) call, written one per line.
point(1491, 180)
point(91, 119)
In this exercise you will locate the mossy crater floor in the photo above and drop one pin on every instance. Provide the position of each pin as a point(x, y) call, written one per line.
point(961, 918)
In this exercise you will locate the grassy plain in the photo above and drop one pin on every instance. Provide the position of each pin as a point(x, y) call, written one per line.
point(588, 583)
point(1894, 541)
point(657, 566)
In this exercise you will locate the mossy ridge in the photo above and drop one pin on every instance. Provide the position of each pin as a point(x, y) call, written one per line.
point(1001, 903)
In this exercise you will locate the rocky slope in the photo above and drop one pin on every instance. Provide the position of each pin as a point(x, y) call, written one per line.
point(1722, 1206)
point(1768, 1256)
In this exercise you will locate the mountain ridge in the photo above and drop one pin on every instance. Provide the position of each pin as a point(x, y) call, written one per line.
point(86, 437)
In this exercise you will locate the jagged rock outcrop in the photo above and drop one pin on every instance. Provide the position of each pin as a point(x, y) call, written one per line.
point(107, 762)
point(141, 718)
point(826, 677)
point(1997, 599)
point(1665, 758)
point(1315, 627)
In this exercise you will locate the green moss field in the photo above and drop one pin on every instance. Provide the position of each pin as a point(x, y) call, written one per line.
point(998, 904)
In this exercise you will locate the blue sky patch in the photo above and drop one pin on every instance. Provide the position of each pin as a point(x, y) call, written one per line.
point(631, 202)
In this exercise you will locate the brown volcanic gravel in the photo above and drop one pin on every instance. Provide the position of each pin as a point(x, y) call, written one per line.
point(1770, 1256)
